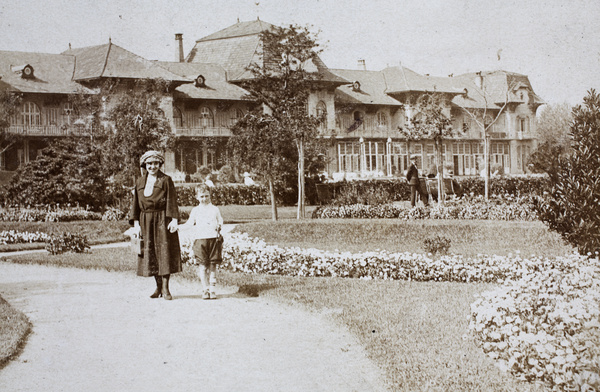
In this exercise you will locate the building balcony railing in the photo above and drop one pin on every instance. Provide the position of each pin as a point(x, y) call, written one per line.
point(204, 131)
point(46, 130)
point(366, 127)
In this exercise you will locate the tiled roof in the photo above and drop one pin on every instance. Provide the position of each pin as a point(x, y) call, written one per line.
point(239, 29)
point(112, 61)
point(237, 47)
point(217, 86)
point(496, 84)
point(372, 88)
point(402, 79)
point(52, 72)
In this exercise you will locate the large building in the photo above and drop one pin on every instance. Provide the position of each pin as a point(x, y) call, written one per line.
point(364, 109)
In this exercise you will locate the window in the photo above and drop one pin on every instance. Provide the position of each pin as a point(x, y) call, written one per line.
point(31, 114)
point(418, 150)
point(68, 113)
point(399, 158)
point(236, 115)
point(52, 116)
point(374, 156)
point(321, 109)
point(206, 118)
point(523, 124)
point(177, 117)
point(348, 157)
point(382, 120)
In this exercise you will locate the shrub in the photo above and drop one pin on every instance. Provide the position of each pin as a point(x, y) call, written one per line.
point(571, 206)
point(67, 242)
point(437, 244)
point(225, 175)
point(497, 208)
point(67, 171)
point(19, 237)
point(47, 214)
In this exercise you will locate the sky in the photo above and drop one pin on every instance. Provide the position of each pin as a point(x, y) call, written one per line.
point(555, 42)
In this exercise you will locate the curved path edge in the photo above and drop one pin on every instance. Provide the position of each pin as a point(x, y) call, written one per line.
point(97, 330)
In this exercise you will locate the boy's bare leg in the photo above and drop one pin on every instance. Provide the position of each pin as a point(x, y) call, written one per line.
point(213, 280)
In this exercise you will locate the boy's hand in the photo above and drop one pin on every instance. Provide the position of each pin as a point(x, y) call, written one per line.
point(173, 226)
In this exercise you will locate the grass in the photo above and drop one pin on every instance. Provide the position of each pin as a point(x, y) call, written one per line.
point(416, 332)
point(14, 329)
point(239, 213)
point(467, 237)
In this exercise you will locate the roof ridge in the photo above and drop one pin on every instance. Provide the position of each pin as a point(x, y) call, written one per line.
point(106, 58)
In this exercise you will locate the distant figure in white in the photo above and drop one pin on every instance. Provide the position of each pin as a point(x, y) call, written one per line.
point(248, 180)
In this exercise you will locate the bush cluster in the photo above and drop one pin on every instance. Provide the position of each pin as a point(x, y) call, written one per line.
point(67, 242)
point(19, 237)
point(545, 326)
point(47, 214)
point(437, 244)
point(507, 208)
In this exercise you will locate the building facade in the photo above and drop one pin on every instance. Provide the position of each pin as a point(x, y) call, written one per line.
point(364, 110)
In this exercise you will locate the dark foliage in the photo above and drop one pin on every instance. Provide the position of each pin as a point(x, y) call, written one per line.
point(571, 206)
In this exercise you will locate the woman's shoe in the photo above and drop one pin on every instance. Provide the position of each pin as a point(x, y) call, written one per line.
point(156, 294)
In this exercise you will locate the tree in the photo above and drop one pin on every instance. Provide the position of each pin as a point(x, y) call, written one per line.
point(281, 83)
point(433, 124)
point(260, 144)
point(571, 207)
point(69, 170)
point(485, 119)
point(9, 106)
point(126, 119)
point(553, 138)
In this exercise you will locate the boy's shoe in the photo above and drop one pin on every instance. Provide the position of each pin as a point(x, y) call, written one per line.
point(206, 295)
point(213, 295)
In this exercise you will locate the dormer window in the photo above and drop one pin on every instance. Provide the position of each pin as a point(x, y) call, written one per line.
point(356, 85)
point(200, 81)
point(25, 70)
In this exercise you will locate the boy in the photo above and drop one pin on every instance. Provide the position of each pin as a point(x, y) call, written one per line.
point(205, 223)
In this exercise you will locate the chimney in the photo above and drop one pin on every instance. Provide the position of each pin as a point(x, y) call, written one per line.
point(362, 64)
point(179, 54)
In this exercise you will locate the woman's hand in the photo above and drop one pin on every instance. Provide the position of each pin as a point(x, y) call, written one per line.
point(172, 226)
point(137, 231)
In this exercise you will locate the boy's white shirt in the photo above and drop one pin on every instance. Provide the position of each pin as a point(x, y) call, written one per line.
point(204, 222)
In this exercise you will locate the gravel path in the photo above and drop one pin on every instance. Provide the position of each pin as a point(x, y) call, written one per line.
point(99, 331)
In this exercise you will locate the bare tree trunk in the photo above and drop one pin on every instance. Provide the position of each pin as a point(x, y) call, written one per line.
point(440, 173)
point(273, 200)
point(486, 159)
point(301, 211)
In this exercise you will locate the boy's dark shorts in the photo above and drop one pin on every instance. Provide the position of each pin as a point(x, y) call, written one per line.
point(208, 251)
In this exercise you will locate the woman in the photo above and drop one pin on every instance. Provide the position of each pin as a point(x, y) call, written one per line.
point(154, 215)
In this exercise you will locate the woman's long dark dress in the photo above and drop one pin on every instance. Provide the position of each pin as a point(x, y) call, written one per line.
point(161, 255)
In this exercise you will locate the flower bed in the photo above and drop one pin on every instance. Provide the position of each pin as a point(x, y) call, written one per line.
point(542, 324)
point(47, 214)
point(472, 207)
point(20, 237)
point(545, 326)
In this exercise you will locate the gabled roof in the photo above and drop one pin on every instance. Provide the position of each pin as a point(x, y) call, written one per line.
point(52, 72)
point(403, 80)
point(498, 87)
point(216, 84)
point(239, 29)
point(112, 61)
point(372, 88)
point(237, 47)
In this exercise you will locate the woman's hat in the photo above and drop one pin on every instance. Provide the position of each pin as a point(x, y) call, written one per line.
point(152, 154)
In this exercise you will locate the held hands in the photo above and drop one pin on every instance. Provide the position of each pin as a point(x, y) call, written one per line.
point(172, 226)
point(137, 231)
